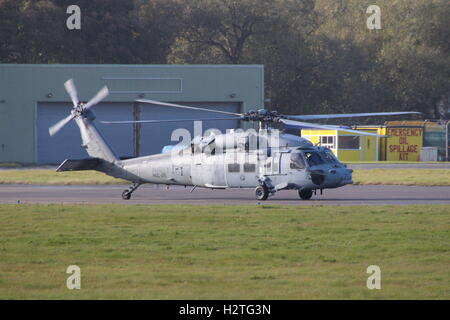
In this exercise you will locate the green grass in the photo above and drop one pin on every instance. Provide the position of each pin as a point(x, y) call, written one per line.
point(423, 177)
point(417, 177)
point(10, 165)
point(224, 252)
point(51, 177)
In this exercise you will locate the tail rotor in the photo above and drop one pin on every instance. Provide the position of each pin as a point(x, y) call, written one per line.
point(78, 107)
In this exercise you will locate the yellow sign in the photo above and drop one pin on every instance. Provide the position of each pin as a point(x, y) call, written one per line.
point(404, 144)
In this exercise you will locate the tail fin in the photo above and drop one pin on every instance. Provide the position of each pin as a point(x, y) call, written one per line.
point(93, 142)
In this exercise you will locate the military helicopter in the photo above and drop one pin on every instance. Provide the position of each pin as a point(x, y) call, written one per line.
point(267, 160)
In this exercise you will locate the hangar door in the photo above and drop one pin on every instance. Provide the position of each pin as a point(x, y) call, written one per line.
point(154, 136)
point(66, 144)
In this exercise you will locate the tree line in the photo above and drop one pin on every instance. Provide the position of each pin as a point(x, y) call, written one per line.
point(319, 55)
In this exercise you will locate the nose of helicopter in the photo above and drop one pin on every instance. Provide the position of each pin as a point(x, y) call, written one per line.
point(331, 178)
point(342, 176)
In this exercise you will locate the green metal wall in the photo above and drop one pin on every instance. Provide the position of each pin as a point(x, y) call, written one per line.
point(22, 87)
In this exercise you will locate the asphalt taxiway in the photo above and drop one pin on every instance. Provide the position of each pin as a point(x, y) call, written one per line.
point(150, 194)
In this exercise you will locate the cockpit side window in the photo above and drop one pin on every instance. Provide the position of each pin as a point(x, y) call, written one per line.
point(297, 161)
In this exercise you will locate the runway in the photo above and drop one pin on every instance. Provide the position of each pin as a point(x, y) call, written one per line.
point(148, 194)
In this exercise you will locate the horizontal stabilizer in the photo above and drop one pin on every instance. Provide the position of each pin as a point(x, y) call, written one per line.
point(78, 165)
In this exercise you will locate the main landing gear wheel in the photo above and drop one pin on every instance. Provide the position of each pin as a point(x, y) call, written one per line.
point(305, 194)
point(261, 192)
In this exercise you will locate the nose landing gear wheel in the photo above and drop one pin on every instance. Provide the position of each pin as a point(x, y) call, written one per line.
point(261, 192)
point(305, 194)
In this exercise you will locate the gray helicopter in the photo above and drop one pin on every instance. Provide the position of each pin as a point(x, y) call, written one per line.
point(267, 160)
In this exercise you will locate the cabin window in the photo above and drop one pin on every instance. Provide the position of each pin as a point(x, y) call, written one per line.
point(328, 141)
point(349, 142)
point(249, 167)
point(234, 167)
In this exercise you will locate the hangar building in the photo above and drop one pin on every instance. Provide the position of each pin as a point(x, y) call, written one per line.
point(32, 98)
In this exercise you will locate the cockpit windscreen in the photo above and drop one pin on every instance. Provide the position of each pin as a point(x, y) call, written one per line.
point(315, 158)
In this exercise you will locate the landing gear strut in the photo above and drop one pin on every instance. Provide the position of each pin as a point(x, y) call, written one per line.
point(126, 194)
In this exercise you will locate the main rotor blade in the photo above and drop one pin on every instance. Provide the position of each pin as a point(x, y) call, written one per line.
point(72, 91)
point(186, 107)
point(346, 115)
point(58, 126)
point(102, 94)
point(163, 121)
point(327, 127)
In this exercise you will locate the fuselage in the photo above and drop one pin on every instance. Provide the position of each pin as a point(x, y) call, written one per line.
point(284, 167)
point(266, 160)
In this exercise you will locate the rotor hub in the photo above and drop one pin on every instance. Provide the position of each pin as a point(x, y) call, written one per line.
point(262, 115)
point(79, 109)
